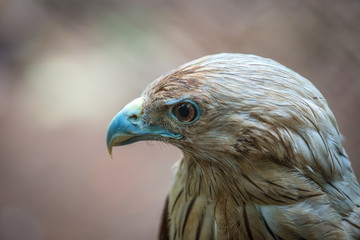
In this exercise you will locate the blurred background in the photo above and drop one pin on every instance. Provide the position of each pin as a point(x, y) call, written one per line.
point(67, 67)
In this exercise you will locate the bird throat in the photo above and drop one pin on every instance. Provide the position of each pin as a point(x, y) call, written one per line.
point(225, 201)
point(199, 204)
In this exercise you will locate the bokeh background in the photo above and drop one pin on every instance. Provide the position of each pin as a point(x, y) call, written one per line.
point(66, 68)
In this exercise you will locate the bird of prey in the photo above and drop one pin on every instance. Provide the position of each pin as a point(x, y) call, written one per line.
point(262, 152)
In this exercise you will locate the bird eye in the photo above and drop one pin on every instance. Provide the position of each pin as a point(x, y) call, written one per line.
point(185, 112)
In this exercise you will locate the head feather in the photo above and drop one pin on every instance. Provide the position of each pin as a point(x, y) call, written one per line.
point(253, 108)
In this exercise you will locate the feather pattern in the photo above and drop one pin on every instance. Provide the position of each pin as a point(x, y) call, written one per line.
point(264, 160)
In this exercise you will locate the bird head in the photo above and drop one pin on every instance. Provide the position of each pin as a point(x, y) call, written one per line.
point(232, 104)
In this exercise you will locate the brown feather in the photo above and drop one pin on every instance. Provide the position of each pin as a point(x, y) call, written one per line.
point(264, 160)
point(164, 224)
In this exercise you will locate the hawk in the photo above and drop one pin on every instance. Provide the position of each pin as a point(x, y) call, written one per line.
point(262, 152)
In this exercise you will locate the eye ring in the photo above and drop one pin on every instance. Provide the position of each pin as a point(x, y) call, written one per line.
point(185, 112)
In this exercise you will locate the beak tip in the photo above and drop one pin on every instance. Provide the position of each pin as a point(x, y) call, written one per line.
point(110, 152)
point(109, 142)
point(109, 145)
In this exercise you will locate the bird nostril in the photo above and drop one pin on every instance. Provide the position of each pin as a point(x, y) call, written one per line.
point(133, 117)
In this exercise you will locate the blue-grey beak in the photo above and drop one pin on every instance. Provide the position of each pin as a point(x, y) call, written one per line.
point(127, 127)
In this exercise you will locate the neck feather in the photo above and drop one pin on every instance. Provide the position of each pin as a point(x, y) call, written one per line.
point(242, 180)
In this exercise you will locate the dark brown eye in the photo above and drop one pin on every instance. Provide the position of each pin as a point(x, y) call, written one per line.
point(185, 112)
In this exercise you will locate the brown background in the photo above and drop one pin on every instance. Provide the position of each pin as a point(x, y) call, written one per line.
point(66, 68)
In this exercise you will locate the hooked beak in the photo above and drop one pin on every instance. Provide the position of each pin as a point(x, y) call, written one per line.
point(127, 127)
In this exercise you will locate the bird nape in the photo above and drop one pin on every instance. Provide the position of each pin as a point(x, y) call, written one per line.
point(262, 152)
